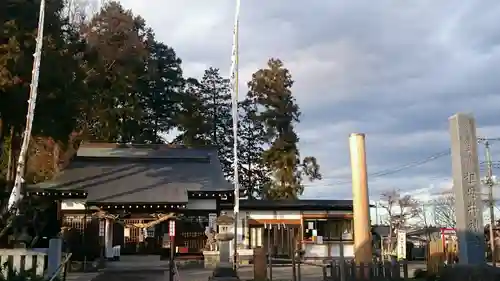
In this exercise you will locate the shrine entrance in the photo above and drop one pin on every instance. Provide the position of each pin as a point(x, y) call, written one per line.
point(280, 239)
point(190, 235)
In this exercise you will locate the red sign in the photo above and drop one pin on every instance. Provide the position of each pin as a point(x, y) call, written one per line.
point(171, 228)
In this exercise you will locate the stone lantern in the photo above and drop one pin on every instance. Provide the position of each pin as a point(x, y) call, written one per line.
point(224, 269)
point(224, 237)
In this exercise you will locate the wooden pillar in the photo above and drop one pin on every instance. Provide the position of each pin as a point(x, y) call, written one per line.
point(361, 206)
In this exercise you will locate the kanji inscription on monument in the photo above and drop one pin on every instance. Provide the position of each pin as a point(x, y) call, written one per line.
point(466, 187)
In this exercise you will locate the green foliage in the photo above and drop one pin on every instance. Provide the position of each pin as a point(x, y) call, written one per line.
point(4, 158)
point(17, 44)
point(106, 77)
point(205, 118)
point(251, 133)
point(270, 89)
point(160, 91)
point(216, 97)
point(118, 39)
point(191, 118)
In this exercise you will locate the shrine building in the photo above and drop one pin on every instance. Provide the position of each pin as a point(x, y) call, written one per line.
point(118, 194)
point(119, 190)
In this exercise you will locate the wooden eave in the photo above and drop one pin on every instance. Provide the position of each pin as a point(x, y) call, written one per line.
point(139, 207)
point(210, 194)
point(57, 193)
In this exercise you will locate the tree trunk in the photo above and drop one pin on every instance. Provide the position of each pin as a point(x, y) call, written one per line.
point(1, 138)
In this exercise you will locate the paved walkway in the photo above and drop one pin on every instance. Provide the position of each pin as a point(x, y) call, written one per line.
point(151, 268)
point(147, 268)
point(81, 276)
point(308, 273)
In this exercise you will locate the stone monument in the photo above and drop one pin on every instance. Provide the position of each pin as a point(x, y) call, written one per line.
point(466, 187)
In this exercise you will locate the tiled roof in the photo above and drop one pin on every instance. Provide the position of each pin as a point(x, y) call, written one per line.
point(141, 174)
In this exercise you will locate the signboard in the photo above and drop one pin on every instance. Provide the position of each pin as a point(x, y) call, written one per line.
point(166, 241)
point(171, 228)
point(401, 245)
point(212, 221)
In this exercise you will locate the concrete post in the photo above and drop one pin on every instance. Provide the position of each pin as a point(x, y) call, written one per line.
point(108, 239)
point(224, 252)
point(259, 264)
point(54, 255)
point(361, 206)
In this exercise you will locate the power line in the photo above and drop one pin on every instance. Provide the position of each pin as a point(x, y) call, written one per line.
point(417, 163)
point(413, 164)
point(398, 169)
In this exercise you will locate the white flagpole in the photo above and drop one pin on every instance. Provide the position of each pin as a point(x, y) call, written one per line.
point(234, 88)
point(15, 195)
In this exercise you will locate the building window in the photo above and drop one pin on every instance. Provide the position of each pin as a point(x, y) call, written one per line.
point(150, 232)
point(102, 227)
point(328, 229)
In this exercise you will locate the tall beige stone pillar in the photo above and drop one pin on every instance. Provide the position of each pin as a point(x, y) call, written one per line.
point(362, 228)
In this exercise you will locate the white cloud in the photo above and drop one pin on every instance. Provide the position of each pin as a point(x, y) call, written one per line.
point(395, 70)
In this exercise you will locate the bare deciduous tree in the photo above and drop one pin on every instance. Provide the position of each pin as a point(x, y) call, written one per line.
point(400, 209)
point(444, 211)
point(80, 11)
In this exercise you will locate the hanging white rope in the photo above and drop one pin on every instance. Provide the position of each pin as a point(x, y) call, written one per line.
point(15, 195)
point(234, 88)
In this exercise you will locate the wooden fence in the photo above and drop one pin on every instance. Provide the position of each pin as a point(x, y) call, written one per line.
point(350, 271)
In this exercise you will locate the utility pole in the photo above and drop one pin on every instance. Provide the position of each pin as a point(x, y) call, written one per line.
point(491, 202)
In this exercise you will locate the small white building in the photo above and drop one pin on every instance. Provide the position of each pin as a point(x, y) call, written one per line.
point(319, 227)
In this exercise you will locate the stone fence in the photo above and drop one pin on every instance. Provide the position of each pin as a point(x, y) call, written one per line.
point(23, 260)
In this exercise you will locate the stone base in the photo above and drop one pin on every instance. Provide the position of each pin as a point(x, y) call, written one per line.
point(211, 258)
point(470, 272)
point(224, 271)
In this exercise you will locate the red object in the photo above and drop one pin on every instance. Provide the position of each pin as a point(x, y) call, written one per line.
point(445, 232)
point(183, 250)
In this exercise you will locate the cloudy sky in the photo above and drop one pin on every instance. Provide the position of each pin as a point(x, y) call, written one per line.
point(395, 70)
